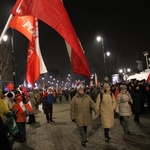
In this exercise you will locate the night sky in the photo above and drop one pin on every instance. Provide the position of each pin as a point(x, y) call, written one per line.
point(123, 24)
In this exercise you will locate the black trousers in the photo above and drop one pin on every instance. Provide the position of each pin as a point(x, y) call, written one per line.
point(31, 118)
point(137, 117)
point(83, 133)
point(106, 132)
point(49, 111)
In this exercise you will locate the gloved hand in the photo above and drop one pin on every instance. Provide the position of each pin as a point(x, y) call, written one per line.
point(74, 120)
point(117, 114)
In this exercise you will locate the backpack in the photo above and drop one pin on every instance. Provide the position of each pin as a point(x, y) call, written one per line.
point(101, 96)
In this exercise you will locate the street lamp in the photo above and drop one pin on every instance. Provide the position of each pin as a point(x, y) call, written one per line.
point(99, 38)
point(5, 38)
point(124, 72)
point(108, 54)
point(120, 71)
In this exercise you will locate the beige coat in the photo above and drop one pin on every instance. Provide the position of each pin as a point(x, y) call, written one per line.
point(123, 106)
point(106, 108)
point(80, 110)
point(33, 102)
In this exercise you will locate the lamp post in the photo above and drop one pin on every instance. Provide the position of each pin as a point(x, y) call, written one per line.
point(99, 38)
point(124, 72)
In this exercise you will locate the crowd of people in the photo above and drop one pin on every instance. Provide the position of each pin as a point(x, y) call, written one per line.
point(123, 100)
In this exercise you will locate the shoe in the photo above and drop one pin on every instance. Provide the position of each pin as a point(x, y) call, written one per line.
point(121, 123)
point(137, 123)
point(48, 121)
point(86, 140)
point(107, 139)
point(83, 143)
point(52, 121)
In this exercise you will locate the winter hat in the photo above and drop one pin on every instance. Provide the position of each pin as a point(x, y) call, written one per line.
point(18, 99)
point(30, 95)
point(10, 95)
point(80, 87)
point(123, 87)
point(105, 86)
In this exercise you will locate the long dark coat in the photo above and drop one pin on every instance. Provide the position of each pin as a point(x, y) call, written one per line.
point(137, 98)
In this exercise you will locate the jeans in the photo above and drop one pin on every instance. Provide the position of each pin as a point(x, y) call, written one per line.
point(83, 133)
point(22, 130)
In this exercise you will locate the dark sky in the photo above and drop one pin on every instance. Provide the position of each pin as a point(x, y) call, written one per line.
point(123, 24)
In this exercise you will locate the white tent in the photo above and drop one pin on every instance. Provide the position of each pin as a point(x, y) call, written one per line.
point(140, 76)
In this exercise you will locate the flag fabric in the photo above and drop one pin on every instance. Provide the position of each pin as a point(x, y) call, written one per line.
point(24, 24)
point(91, 83)
point(28, 26)
point(53, 13)
point(24, 89)
point(29, 107)
point(22, 107)
point(78, 83)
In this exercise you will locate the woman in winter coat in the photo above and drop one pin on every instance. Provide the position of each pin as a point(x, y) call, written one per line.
point(124, 102)
point(106, 103)
point(80, 112)
point(136, 106)
point(4, 109)
point(34, 104)
point(21, 118)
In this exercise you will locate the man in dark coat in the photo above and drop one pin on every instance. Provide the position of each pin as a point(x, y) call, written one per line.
point(48, 104)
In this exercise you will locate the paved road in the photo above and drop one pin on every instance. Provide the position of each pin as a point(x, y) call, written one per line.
point(64, 135)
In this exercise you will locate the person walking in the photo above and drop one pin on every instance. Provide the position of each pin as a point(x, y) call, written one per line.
point(34, 104)
point(106, 104)
point(48, 101)
point(136, 106)
point(124, 102)
point(80, 112)
point(20, 118)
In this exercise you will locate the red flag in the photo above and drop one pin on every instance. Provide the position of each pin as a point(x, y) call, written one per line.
point(28, 26)
point(24, 89)
point(78, 83)
point(53, 13)
point(24, 24)
point(29, 106)
point(22, 107)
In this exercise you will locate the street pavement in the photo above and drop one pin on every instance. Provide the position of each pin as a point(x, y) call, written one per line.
point(64, 134)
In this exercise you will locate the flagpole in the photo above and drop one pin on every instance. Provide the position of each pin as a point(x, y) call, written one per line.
point(6, 27)
point(13, 55)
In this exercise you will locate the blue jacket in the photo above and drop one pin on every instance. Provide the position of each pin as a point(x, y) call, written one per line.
point(49, 99)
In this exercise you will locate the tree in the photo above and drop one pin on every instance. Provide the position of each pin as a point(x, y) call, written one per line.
point(6, 64)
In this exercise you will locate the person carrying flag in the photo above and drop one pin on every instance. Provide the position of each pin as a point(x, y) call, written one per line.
point(19, 110)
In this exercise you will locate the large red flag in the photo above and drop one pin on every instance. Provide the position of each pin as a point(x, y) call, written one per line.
point(28, 26)
point(54, 14)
